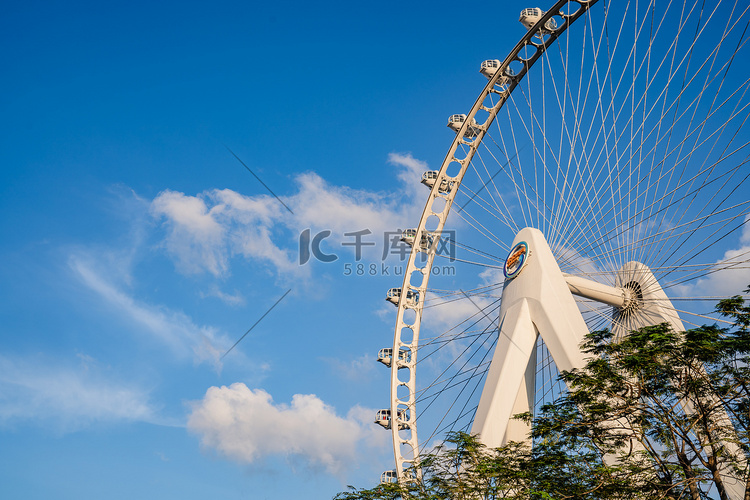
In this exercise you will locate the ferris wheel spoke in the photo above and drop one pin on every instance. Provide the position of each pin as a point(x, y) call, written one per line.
point(669, 234)
point(675, 116)
point(612, 192)
point(564, 187)
point(559, 234)
point(527, 184)
point(489, 192)
point(511, 171)
point(491, 179)
point(494, 258)
point(486, 207)
point(456, 298)
point(702, 316)
point(712, 56)
point(679, 212)
point(478, 290)
point(480, 227)
point(457, 379)
point(543, 209)
point(503, 215)
point(714, 237)
point(711, 269)
point(617, 230)
point(479, 378)
point(482, 372)
point(672, 192)
point(550, 386)
point(447, 378)
point(664, 109)
point(439, 340)
point(444, 383)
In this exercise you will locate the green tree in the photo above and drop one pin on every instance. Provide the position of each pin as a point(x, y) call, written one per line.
point(659, 414)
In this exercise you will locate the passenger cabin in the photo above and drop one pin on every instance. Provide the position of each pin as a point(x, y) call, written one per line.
point(491, 66)
point(455, 122)
point(529, 17)
point(385, 355)
point(389, 476)
point(394, 294)
point(430, 177)
point(409, 236)
point(383, 418)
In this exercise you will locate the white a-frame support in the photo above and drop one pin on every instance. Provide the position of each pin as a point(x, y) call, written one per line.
point(535, 302)
point(538, 300)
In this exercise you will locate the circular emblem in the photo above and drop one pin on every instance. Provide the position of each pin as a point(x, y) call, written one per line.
point(516, 259)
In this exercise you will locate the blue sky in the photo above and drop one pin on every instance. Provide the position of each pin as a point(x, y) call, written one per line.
point(137, 249)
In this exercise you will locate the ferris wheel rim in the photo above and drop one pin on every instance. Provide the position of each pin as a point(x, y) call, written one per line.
point(545, 38)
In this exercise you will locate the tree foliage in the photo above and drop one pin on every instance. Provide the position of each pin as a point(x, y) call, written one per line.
point(658, 414)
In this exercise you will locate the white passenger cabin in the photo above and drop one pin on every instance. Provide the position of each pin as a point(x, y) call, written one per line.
point(389, 476)
point(409, 236)
point(455, 122)
point(491, 66)
point(430, 177)
point(383, 418)
point(394, 294)
point(529, 17)
point(385, 355)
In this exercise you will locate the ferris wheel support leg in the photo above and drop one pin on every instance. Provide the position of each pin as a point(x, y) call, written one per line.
point(536, 301)
point(654, 307)
point(518, 430)
point(515, 347)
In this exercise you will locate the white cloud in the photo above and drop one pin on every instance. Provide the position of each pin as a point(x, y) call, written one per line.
point(172, 328)
point(478, 304)
point(232, 299)
point(246, 425)
point(70, 397)
point(449, 311)
point(205, 230)
point(194, 234)
point(573, 262)
point(411, 174)
point(320, 205)
point(729, 275)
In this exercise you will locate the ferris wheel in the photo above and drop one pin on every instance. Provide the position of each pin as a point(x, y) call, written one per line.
point(600, 180)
